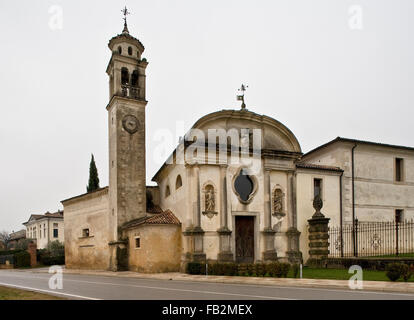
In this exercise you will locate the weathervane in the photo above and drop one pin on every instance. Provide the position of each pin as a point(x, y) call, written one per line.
point(240, 97)
point(125, 12)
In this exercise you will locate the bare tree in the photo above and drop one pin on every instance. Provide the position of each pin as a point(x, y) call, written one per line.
point(5, 238)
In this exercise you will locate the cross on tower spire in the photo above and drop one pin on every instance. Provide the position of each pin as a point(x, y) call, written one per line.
point(125, 12)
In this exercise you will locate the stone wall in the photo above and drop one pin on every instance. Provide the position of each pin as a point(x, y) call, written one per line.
point(89, 211)
point(160, 248)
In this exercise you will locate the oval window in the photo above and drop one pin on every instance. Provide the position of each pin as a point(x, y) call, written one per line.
point(130, 51)
point(244, 185)
point(119, 50)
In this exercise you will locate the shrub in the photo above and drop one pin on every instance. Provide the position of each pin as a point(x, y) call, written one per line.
point(22, 259)
point(406, 271)
point(195, 268)
point(251, 269)
point(56, 248)
point(394, 271)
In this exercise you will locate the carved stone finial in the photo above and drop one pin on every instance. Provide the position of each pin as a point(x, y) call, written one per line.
point(318, 204)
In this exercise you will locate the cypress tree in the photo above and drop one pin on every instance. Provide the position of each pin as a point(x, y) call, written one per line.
point(93, 177)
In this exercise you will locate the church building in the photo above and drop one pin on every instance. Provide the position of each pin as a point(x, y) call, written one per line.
point(236, 189)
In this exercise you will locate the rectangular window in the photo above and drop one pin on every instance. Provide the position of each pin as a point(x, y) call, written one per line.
point(55, 230)
point(137, 243)
point(85, 233)
point(399, 215)
point(317, 188)
point(399, 169)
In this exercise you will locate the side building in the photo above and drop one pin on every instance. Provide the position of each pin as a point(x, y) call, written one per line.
point(378, 179)
point(45, 228)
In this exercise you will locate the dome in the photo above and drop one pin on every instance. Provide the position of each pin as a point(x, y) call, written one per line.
point(275, 135)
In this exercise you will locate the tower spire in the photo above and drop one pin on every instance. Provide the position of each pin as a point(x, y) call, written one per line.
point(125, 13)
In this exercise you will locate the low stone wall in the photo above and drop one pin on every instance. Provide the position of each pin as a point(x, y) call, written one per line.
point(375, 263)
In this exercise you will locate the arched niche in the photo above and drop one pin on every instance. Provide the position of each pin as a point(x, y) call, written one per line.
point(209, 199)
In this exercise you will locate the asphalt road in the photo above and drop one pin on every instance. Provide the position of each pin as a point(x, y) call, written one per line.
point(115, 288)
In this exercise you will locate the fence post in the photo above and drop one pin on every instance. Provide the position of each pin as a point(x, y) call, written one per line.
point(356, 238)
point(396, 237)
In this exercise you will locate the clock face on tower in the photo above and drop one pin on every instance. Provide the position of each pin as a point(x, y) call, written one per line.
point(130, 124)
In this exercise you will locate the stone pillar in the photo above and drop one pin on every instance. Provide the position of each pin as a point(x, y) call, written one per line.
point(293, 253)
point(197, 232)
point(269, 252)
point(31, 249)
point(318, 236)
point(225, 254)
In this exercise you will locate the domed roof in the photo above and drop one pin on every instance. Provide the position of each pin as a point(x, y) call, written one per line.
point(125, 37)
point(275, 135)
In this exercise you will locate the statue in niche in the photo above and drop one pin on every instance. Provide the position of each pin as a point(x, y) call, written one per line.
point(278, 202)
point(210, 201)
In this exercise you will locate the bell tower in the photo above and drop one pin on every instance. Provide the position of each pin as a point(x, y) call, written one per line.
point(126, 120)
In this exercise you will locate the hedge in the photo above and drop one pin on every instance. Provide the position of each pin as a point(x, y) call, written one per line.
point(377, 263)
point(22, 259)
point(9, 252)
point(275, 269)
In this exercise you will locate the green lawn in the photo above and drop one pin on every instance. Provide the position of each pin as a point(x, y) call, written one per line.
point(342, 274)
point(17, 294)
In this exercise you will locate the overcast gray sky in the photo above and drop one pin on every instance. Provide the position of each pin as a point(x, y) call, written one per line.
point(313, 65)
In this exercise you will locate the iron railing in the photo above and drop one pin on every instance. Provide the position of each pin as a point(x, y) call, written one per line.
point(130, 91)
point(372, 239)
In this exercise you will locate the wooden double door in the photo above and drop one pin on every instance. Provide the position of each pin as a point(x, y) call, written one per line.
point(244, 239)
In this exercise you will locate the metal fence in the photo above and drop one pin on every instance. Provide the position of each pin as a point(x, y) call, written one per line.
point(365, 239)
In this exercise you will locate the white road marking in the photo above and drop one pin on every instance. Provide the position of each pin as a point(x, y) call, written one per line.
point(47, 291)
point(40, 276)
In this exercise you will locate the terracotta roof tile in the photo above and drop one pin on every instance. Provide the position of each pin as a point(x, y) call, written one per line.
point(167, 217)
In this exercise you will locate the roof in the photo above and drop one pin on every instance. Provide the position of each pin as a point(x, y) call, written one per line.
point(355, 141)
point(305, 165)
point(164, 218)
point(85, 194)
point(125, 36)
point(18, 235)
point(243, 114)
point(154, 209)
point(58, 214)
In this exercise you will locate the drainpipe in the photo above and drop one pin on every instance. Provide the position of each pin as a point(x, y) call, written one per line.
point(340, 214)
point(353, 202)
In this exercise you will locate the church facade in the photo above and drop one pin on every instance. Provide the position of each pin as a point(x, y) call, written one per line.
point(236, 188)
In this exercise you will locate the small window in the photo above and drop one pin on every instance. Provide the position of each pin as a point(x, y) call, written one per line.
point(167, 191)
point(317, 188)
point(130, 51)
point(55, 230)
point(85, 233)
point(178, 182)
point(399, 215)
point(119, 50)
point(137, 243)
point(399, 169)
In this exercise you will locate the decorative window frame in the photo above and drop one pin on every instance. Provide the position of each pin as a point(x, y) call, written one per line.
point(255, 185)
